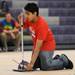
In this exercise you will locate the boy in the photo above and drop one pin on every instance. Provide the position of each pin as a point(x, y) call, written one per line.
point(43, 41)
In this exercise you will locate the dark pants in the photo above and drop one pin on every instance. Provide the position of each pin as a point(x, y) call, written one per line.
point(45, 61)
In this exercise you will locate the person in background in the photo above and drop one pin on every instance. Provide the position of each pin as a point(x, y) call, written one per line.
point(6, 5)
point(10, 30)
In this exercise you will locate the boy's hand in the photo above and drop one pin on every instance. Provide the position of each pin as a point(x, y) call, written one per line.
point(15, 30)
point(29, 67)
point(6, 31)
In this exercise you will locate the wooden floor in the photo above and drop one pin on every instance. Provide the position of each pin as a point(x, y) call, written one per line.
point(7, 63)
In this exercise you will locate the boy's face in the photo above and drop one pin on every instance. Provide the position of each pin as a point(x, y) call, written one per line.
point(8, 17)
point(30, 16)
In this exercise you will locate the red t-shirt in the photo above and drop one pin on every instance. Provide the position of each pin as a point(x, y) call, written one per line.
point(40, 30)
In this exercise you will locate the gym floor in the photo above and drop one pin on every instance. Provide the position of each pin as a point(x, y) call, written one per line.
point(7, 63)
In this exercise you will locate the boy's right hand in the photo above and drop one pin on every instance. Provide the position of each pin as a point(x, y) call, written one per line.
point(6, 31)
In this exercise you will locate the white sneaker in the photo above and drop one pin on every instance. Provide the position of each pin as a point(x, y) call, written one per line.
point(5, 49)
point(17, 49)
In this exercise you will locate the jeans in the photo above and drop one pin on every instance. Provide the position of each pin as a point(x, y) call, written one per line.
point(45, 61)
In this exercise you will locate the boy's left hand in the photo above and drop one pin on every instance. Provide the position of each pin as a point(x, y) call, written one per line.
point(29, 67)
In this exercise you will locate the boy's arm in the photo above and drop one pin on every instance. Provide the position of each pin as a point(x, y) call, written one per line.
point(36, 51)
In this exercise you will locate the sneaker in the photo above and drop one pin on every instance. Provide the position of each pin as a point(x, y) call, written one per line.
point(5, 49)
point(70, 64)
point(17, 49)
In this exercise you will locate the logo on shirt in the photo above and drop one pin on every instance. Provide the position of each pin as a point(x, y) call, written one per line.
point(8, 27)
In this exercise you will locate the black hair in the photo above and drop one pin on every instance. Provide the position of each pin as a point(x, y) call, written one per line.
point(32, 7)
